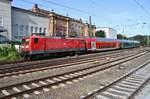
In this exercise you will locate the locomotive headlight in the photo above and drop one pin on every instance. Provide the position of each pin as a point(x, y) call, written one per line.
point(22, 46)
point(27, 46)
point(27, 40)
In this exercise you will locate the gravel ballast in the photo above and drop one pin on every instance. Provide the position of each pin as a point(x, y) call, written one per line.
point(82, 87)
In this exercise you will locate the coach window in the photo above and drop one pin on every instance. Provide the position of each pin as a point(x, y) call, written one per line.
point(35, 40)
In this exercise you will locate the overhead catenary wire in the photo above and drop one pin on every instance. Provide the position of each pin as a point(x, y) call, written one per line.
point(71, 8)
point(76, 9)
point(31, 2)
point(142, 7)
point(105, 19)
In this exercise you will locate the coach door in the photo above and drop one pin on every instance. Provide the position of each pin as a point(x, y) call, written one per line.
point(93, 45)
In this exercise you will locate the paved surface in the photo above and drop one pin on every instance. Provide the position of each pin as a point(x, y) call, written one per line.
point(145, 93)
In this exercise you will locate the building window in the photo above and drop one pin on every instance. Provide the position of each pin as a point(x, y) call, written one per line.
point(44, 30)
point(3, 39)
point(40, 30)
point(27, 30)
point(16, 30)
point(31, 30)
point(21, 30)
point(36, 29)
point(1, 21)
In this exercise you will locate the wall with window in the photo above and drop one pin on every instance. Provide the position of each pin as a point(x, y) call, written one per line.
point(1, 21)
point(5, 17)
point(30, 23)
point(75, 28)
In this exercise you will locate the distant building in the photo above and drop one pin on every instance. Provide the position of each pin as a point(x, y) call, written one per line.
point(5, 18)
point(25, 22)
point(109, 32)
point(64, 25)
point(89, 30)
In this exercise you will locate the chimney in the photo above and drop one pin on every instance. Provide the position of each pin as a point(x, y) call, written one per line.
point(35, 8)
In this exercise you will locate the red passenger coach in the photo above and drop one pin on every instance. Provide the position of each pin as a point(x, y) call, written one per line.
point(42, 45)
point(91, 44)
point(100, 44)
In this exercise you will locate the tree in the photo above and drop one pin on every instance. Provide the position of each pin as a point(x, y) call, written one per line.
point(141, 38)
point(100, 34)
point(120, 36)
point(73, 34)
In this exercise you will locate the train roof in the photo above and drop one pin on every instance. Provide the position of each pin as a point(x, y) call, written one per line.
point(114, 40)
point(106, 39)
point(128, 41)
point(93, 38)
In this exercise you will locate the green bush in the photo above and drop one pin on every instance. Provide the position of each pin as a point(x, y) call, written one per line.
point(9, 54)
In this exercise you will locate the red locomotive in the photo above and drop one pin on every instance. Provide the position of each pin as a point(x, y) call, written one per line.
point(39, 45)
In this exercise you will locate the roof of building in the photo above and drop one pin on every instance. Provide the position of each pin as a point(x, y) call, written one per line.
point(46, 12)
point(29, 11)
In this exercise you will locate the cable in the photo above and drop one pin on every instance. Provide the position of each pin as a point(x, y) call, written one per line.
point(142, 7)
point(93, 2)
point(30, 2)
point(64, 6)
point(68, 7)
point(75, 9)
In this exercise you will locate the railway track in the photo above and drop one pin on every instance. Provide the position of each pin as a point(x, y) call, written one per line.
point(39, 61)
point(24, 89)
point(125, 87)
point(54, 61)
point(19, 70)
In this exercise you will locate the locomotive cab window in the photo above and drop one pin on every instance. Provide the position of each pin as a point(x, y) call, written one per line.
point(35, 40)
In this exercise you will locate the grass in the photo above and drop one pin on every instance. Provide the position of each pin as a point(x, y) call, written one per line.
point(9, 54)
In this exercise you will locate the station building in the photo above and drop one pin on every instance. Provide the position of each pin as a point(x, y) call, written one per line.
point(21, 22)
point(5, 18)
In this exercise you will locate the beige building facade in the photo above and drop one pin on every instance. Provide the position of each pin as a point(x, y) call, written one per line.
point(21, 22)
point(60, 25)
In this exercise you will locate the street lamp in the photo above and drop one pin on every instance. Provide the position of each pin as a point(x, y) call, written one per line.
point(147, 35)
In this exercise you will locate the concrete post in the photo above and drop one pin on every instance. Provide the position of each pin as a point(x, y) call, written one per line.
point(67, 30)
point(52, 25)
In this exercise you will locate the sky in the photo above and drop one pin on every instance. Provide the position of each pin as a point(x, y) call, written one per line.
point(128, 17)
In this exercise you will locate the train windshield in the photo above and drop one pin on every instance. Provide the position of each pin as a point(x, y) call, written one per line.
point(25, 41)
